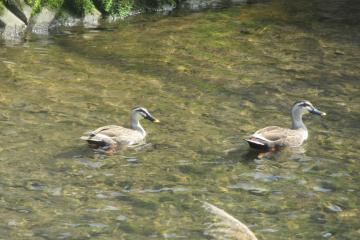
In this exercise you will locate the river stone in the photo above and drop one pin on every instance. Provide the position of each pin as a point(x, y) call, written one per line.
point(250, 188)
point(11, 27)
point(166, 8)
point(333, 207)
point(65, 19)
point(26, 10)
point(41, 22)
point(203, 4)
point(92, 19)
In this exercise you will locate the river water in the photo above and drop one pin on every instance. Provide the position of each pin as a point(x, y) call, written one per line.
point(212, 78)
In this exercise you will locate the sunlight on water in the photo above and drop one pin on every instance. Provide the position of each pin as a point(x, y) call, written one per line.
point(212, 78)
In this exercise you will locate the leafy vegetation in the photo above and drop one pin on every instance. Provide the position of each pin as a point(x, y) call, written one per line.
point(38, 4)
point(79, 7)
point(119, 8)
point(1, 6)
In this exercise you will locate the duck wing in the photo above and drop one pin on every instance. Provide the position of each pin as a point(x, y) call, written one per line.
point(272, 133)
point(275, 136)
point(104, 130)
point(113, 134)
point(268, 137)
point(111, 131)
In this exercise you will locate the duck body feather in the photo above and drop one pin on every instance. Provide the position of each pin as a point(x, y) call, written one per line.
point(113, 134)
point(277, 137)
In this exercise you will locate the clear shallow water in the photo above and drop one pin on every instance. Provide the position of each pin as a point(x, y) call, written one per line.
point(211, 78)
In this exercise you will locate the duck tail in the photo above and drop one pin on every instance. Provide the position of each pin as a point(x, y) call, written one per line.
point(91, 139)
point(255, 143)
point(85, 138)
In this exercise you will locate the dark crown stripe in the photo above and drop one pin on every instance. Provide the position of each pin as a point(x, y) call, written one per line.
point(140, 109)
point(302, 103)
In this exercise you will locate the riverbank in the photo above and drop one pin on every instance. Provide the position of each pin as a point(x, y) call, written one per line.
point(20, 17)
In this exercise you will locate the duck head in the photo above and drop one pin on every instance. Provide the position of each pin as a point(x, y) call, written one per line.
point(141, 112)
point(304, 107)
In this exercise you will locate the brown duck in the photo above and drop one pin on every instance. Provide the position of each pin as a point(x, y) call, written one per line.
point(109, 137)
point(273, 137)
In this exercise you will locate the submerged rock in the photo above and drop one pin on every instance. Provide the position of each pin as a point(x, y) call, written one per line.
point(35, 186)
point(203, 4)
point(333, 207)
point(226, 226)
point(250, 188)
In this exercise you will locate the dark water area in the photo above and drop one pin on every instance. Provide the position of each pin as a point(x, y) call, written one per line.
point(212, 78)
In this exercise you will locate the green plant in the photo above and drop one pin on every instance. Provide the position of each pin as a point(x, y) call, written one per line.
point(1, 6)
point(54, 4)
point(37, 5)
point(81, 7)
point(121, 8)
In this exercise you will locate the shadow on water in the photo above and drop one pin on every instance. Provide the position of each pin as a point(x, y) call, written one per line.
point(242, 155)
point(78, 152)
point(131, 59)
point(250, 155)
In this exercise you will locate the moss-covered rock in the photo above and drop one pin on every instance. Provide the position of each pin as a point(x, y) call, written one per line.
point(40, 22)
point(37, 5)
point(79, 7)
point(92, 18)
point(116, 8)
point(39, 15)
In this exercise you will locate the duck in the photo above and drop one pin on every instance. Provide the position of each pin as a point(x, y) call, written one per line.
point(274, 137)
point(108, 138)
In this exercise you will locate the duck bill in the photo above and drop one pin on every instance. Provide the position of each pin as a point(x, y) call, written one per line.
point(151, 118)
point(318, 112)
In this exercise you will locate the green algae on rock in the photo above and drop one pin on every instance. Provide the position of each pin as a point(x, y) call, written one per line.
point(49, 14)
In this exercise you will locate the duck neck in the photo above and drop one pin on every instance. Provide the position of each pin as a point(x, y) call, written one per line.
point(297, 122)
point(135, 124)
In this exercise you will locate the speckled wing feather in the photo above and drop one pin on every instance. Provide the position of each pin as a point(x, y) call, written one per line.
point(114, 134)
point(93, 133)
point(272, 133)
point(277, 136)
point(111, 131)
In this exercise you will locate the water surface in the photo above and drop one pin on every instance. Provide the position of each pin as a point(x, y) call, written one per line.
point(212, 78)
